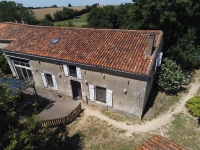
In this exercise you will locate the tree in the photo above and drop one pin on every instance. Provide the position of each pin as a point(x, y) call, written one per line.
point(46, 22)
point(102, 17)
point(193, 105)
point(4, 67)
point(186, 51)
point(11, 11)
point(170, 77)
point(48, 17)
point(69, 5)
point(13, 135)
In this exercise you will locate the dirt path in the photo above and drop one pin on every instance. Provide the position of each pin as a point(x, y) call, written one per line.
point(162, 120)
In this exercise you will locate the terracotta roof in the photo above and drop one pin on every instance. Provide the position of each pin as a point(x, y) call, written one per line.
point(2, 25)
point(122, 50)
point(158, 142)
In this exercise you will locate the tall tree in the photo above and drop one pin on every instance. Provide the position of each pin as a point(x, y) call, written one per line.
point(102, 17)
point(13, 136)
point(11, 11)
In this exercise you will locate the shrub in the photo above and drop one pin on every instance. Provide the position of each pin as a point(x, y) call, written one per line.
point(170, 77)
point(193, 105)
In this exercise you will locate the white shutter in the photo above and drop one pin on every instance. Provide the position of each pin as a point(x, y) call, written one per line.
point(159, 58)
point(65, 68)
point(78, 72)
point(44, 79)
point(109, 98)
point(91, 92)
point(54, 82)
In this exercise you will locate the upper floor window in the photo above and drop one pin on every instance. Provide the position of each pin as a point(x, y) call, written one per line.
point(74, 71)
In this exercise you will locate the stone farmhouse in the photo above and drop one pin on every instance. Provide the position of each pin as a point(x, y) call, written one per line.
point(111, 68)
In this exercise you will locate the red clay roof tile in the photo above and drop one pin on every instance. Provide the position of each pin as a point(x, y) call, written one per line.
point(122, 50)
point(161, 143)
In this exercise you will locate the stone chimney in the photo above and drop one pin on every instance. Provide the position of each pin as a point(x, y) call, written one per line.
point(149, 49)
point(24, 21)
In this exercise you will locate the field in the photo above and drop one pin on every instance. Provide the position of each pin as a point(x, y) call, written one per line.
point(40, 13)
point(78, 22)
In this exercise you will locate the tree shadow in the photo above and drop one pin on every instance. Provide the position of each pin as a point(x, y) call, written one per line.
point(37, 103)
point(58, 139)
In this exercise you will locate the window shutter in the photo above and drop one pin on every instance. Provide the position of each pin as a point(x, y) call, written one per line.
point(109, 97)
point(159, 58)
point(91, 91)
point(78, 72)
point(44, 79)
point(54, 82)
point(65, 68)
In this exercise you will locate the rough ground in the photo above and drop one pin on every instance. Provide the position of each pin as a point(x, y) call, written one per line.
point(154, 124)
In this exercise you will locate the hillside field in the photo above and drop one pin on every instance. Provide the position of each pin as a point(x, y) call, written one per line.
point(40, 13)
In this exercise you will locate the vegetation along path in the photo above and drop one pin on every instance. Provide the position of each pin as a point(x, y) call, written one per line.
point(162, 120)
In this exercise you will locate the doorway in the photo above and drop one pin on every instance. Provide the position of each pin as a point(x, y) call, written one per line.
point(76, 90)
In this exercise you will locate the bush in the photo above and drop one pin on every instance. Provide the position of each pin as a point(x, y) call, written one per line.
point(193, 105)
point(46, 22)
point(170, 77)
point(4, 67)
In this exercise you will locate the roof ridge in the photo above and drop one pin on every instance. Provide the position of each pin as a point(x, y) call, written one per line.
point(77, 28)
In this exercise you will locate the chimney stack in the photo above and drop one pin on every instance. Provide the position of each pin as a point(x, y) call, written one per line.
point(24, 21)
point(149, 49)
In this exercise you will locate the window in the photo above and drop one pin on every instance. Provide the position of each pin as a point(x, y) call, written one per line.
point(49, 80)
point(54, 41)
point(23, 70)
point(72, 71)
point(101, 94)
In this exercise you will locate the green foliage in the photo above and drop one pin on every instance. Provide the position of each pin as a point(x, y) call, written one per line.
point(4, 67)
point(193, 106)
point(11, 11)
point(13, 135)
point(185, 52)
point(48, 17)
point(102, 17)
point(170, 77)
point(46, 22)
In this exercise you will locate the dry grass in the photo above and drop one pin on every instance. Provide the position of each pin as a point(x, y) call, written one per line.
point(183, 131)
point(40, 13)
point(99, 135)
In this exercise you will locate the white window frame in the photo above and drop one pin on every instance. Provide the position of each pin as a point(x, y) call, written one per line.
point(20, 66)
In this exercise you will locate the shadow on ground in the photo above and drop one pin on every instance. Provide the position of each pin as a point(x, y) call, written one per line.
point(150, 102)
point(58, 139)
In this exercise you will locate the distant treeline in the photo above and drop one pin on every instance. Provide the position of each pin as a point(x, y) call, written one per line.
point(53, 6)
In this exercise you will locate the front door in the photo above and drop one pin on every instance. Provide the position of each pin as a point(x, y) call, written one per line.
point(76, 89)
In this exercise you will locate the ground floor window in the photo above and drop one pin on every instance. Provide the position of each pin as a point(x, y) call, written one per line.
point(101, 94)
point(49, 80)
point(23, 70)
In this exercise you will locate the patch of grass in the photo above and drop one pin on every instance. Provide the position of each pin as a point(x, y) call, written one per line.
point(97, 134)
point(78, 22)
point(183, 131)
point(196, 74)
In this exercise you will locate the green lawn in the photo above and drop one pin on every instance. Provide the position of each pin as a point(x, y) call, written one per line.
point(78, 22)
